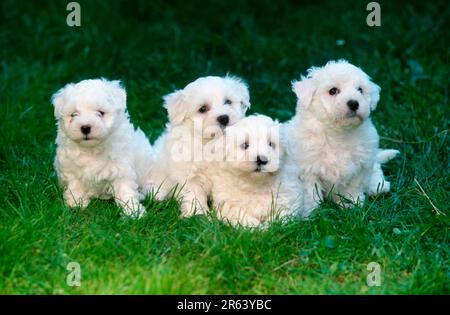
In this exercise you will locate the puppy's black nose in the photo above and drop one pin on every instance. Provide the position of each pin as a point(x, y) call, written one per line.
point(85, 129)
point(223, 120)
point(353, 105)
point(261, 160)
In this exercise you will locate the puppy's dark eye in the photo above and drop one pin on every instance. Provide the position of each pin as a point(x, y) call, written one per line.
point(228, 102)
point(271, 144)
point(333, 91)
point(74, 114)
point(101, 113)
point(203, 109)
point(360, 90)
point(245, 146)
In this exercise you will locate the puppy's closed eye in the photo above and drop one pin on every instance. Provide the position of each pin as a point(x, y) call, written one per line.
point(101, 113)
point(272, 145)
point(74, 114)
point(228, 101)
point(360, 90)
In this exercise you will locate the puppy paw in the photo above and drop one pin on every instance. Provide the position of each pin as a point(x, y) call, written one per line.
point(347, 204)
point(381, 188)
point(73, 201)
point(190, 209)
point(135, 211)
point(349, 201)
point(253, 223)
point(386, 187)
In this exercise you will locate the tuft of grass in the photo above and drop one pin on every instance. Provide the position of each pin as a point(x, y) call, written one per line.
point(157, 46)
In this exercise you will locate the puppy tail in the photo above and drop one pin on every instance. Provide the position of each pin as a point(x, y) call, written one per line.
point(384, 156)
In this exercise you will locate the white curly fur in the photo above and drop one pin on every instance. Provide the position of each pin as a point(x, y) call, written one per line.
point(248, 192)
point(181, 151)
point(336, 149)
point(111, 161)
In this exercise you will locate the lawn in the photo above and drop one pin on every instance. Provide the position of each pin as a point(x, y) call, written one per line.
point(158, 46)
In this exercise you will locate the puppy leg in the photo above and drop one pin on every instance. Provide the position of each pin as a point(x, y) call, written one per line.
point(353, 194)
point(235, 216)
point(376, 183)
point(195, 200)
point(75, 195)
point(312, 193)
point(351, 198)
point(250, 221)
point(127, 197)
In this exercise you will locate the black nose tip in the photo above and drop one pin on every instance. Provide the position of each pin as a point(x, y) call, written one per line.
point(85, 129)
point(223, 120)
point(261, 160)
point(353, 105)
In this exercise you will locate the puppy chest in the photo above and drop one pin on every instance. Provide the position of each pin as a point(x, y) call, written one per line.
point(335, 164)
point(95, 171)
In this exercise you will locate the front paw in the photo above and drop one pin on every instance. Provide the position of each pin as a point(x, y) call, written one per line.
point(382, 188)
point(349, 202)
point(134, 210)
point(74, 201)
point(189, 209)
point(253, 223)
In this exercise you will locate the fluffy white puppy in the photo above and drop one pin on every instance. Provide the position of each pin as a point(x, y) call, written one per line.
point(253, 184)
point(197, 114)
point(99, 153)
point(332, 139)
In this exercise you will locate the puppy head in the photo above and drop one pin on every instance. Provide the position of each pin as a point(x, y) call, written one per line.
point(252, 147)
point(338, 93)
point(88, 111)
point(209, 104)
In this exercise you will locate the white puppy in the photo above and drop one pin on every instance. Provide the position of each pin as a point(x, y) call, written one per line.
point(332, 139)
point(253, 184)
point(197, 114)
point(99, 153)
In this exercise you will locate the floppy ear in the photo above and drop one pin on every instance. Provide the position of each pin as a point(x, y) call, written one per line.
point(304, 89)
point(118, 95)
point(58, 100)
point(374, 95)
point(174, 103)
point(241, 88)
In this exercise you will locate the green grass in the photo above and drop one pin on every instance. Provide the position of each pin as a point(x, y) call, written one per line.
point(159, 46)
